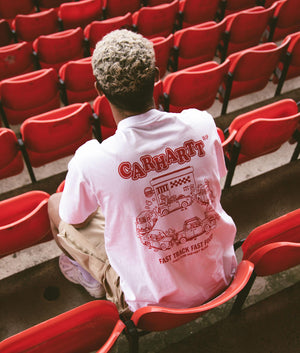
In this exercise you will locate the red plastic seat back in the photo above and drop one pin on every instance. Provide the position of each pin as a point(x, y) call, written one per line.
point(195, 87)
point(252, 68)
point(276, 257)
point(262, 136)
point(11, 161)
point(280, 109)
point(6, 36)
point(198, 44)
point(96, 30)
point(157, 21)
point(153, 318)
point(195, 11)
point(56, 49)
point(16, 59)
point(49, 4)
point(81, 14)
point(29, 27)
point(56, 134)
point(83, 329)
point(24, 221)
point(284, 228)
point(294, 50)
point(116, 8)
point(29, 94)
point(162, 48)
point(107, 123)
point(79, 80)
point(247, 27)
point(10, 9)
point(238, 5)
point(288, 14)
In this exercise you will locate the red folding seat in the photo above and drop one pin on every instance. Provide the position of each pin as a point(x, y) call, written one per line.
point(259, 132)
point(245, 29)
point(268, 3)
point(114, 8)
point(194, 87)
point(24, 222)
point(84, 329)
point(228, 7)
point(155, 2)
point(28, 94)
point(96, 30)
point(193, 12)
point(78, 81)
point(103, 111)
point(58, 48)
point(11, 161)
point(16, 59)
point(29, 27)
point(286, 20)
point(43, 5)
point(154, 318)
point(196, 44)
point(57, 133)
point(6, 35)
point(250, 70)
point(162, 48)
point(156, 21)
point(290, 65)
point(10, 9)
point(273, 247)
point(79, 14)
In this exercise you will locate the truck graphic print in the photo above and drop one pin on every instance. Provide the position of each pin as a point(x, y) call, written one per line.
point(171, 192)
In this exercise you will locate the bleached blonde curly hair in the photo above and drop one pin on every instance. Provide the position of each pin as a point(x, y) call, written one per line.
point(124, 66)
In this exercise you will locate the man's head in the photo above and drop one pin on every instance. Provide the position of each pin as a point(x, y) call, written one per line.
point(124, 66)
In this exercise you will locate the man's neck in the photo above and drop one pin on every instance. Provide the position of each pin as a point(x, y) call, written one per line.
point(120, 115)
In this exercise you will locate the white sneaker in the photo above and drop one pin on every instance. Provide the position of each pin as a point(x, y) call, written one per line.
point(76, 274)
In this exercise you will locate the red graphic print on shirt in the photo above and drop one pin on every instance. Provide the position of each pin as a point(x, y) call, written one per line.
point(175, 192)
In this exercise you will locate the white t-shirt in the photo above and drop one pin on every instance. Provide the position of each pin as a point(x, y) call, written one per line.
point(157, 183)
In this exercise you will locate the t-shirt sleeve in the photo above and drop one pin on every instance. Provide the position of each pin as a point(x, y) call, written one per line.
point(78, 200)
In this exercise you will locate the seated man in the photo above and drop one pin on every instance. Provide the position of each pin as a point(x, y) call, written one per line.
point(166, 239)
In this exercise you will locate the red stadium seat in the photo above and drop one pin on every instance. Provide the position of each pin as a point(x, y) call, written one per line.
point(57, 133)
point(28, 94)
point(196, 44)
point(245, 29)
point(155, 318)
point(290, 65)
point(228, 7)
point(194, 87)
point(29, 27)
point(272, 248)
point(259, 132)
point(96, 30)
point(10, 9)
point(286, 20)
point(16, 59)
point(193, 12)
point(250, 70)
point(156, 21)
point(162, 48)
point(78, 81)
point(6, 35)
point(79, 14)
point(11, 161)
point(49, 4)
point(114, 8)
point(58, 48)
point(83, 329)
point(24, 222)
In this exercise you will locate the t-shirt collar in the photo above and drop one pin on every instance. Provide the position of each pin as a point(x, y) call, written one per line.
point(135, 120)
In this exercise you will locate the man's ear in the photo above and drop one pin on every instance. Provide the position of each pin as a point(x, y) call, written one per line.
point(156, 74)
point(98, 89)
